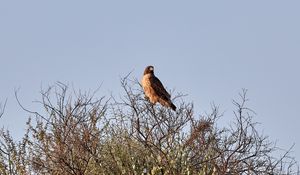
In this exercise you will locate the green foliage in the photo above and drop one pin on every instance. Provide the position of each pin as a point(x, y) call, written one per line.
point(79, 134)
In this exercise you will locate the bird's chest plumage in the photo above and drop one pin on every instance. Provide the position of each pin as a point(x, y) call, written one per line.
point(148, 89)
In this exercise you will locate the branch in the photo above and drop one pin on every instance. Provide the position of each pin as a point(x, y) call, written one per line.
point(2, 108)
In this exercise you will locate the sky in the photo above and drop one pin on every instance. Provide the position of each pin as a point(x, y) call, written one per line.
point(209, 50)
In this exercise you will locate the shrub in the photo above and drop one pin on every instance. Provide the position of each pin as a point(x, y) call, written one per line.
point(76, 133)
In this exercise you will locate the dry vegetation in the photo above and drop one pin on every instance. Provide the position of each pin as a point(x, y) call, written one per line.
point(80, 134)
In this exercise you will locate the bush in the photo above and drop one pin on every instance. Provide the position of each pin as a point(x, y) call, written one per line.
point(76, 133)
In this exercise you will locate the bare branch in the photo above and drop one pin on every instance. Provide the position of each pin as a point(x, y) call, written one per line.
point(2, 108)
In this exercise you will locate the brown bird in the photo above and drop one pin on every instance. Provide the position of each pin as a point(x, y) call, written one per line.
point(154, 89)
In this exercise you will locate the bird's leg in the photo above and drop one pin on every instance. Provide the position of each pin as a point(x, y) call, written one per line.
point(152, 107)
point(147, 98)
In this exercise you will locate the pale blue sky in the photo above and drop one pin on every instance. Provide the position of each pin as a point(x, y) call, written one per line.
point(207, 49)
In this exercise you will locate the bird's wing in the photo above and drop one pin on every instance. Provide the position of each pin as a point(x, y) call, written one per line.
point(159, 88)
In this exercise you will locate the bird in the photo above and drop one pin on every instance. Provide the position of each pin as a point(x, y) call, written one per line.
point(154, 89)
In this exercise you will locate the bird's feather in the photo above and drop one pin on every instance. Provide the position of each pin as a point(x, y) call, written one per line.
point(159, 88)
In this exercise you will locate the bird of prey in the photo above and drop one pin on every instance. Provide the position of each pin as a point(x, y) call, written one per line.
point(154, 90)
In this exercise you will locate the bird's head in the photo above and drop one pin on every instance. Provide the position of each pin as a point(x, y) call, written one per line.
point(149, 70)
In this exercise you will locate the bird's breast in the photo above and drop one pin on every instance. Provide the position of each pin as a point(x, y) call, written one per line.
point(149, 91)
point(146, 81)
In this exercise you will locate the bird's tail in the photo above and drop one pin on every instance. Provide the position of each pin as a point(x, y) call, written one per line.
point(172, 106)
point(167, 103)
